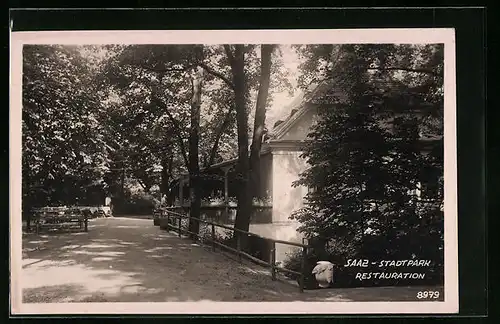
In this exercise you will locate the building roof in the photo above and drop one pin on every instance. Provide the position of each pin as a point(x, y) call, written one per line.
point(295, 109)
point(329, 90)
point(222, 164)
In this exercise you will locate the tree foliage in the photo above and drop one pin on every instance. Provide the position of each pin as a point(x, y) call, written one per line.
point(62, 138)
point(128, 109)
point(375, 155)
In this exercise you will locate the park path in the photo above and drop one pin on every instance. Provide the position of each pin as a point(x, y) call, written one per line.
point(130, 260)
point(126, 259)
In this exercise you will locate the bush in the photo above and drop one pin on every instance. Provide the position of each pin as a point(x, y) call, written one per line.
point(135, 204)
point(294, 262)
point(257, 247)
point(345, 277)
point(205, 235)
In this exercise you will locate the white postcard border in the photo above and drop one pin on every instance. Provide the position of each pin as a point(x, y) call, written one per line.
point(299, 36)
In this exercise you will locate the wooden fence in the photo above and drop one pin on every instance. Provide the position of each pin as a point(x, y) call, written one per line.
point(174, 222)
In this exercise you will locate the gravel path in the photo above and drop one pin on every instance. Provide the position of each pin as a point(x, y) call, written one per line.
point(130, 260)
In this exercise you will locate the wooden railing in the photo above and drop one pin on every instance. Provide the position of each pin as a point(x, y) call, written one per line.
point(171, 224)
point(187, 204)
point(221, 214)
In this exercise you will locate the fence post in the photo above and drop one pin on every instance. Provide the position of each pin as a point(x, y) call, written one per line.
point(213, 237)
point(303, 268)
point(180, 225)
point(86, 221)
point(168, 219)
point(273, 261)
point(238, 245)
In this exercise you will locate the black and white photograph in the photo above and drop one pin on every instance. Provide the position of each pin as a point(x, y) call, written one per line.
point(256, 171)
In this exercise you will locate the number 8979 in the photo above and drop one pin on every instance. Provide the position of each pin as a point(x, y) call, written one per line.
point(428, 295)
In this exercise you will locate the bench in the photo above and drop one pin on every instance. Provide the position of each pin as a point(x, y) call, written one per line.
point(61, 216)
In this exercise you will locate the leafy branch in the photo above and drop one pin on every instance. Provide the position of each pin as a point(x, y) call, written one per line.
point(220, 131)
point(206, 67)
point(425, 71)
point(175, 123)
point(217, 74)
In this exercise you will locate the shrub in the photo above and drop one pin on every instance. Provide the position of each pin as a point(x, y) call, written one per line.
point(294, 262)
point(257, 247)
point(135, 204)
point(205, 235)
point(345, 277)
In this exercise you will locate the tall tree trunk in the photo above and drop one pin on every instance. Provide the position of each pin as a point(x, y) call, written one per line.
point(254, 185)
point(166, 161)
point(170, 197)
point(122, 183)
point(243, 211)
point(164, 176)
point(26, 195)
point(194, 164)
point(166, 173)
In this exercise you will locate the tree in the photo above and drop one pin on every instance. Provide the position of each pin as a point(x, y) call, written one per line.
point(62, 151)
point(379, 105)
point(249, 168)
point(260, 119)
point(244, 73)
point(242, 63)
point(194, 161)
point(169, 79)
point(142, 110)
point(236, 57)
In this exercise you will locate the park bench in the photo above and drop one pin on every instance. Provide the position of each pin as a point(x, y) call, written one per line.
point(59, 217)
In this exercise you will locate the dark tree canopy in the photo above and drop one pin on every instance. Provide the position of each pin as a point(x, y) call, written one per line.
point(375, 155)
point(62, 136)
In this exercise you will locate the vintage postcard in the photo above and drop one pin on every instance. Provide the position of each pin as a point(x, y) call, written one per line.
point(233, 172)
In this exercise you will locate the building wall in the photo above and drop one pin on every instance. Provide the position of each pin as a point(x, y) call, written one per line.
point(287, 165)
point(278, 171)
point(286, 168)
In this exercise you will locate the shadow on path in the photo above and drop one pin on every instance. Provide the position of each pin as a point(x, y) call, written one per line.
point(130, 260)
